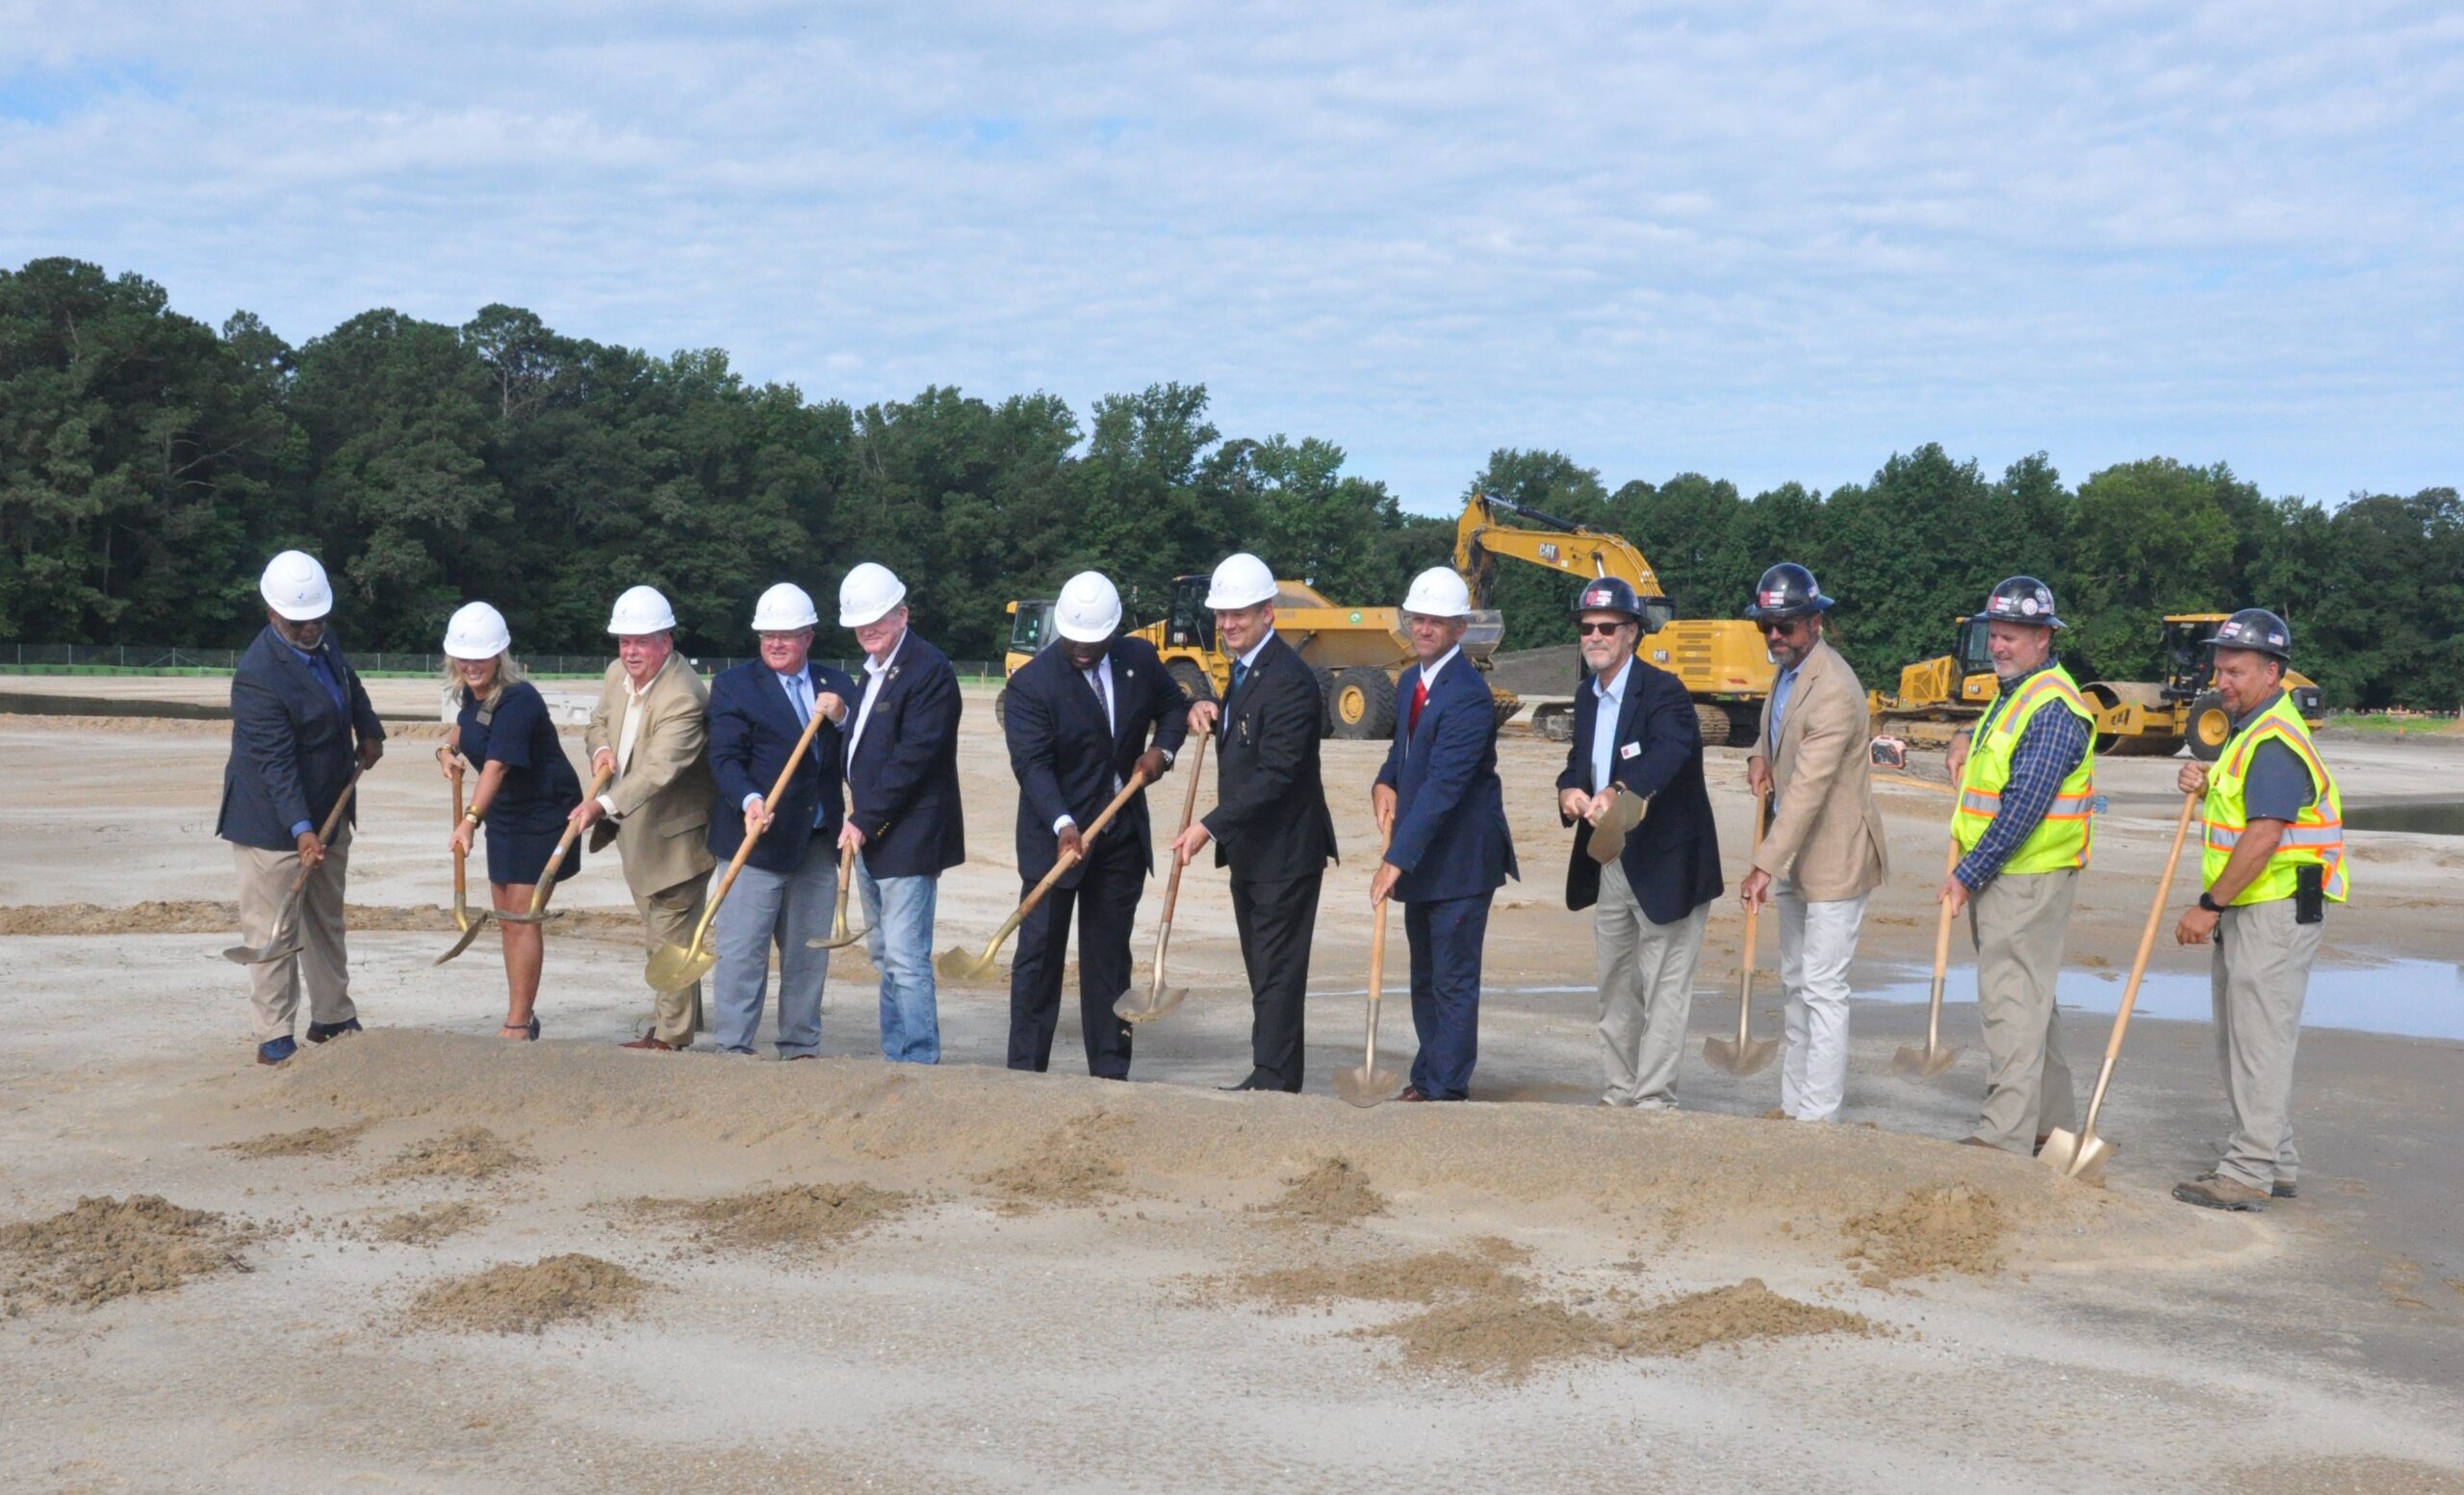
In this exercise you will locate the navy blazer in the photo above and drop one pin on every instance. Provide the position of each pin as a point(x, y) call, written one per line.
point(903, 776)
point(1269, 821)
point(1450, 837)
point(1066, 756)
point(753, 727)
point(1672, 860)
point(291, 750)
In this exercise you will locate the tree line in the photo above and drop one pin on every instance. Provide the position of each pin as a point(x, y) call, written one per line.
point(149, 464)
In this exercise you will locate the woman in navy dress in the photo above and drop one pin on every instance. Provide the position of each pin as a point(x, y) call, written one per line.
point(526, 788)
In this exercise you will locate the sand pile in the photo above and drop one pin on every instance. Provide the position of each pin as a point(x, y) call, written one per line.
point(426, 1226)
point(1332, 1194)
point(1929, 1232)
point(205, 916)
point(473, 1152)
point(1429, 1277)
point(1505, 1336)
point(1079, 1164)
point(526, 1300)
point(1731, 1315)
point(107, 1247)
point(801, 1218)
point(313, 1142)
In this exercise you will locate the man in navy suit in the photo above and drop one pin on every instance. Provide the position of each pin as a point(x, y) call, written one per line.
point(300, 722)
point(1270, 823)
point(1451, 850)
point(903, 816)
point(1645, 851)
point(788, 889)
point(1078, 723)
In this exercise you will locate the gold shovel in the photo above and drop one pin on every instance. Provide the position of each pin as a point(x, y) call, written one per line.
point(957, 966)
point(1369, 1085)
point(840, 935)
point(2084, 1155)
point(547, 883)
point(462, 920)
point(673, 970)
point(1161, 999)
point(1745, 1055)
point(276, 947)
point(1932, 1060)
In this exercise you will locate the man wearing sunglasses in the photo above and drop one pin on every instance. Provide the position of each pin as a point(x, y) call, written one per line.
point(1823, 854)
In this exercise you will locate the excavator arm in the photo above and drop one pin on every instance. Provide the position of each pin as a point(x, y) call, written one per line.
point(1575, 549)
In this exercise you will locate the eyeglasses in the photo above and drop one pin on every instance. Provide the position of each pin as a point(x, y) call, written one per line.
point(1602, 629)
point(1783, 629)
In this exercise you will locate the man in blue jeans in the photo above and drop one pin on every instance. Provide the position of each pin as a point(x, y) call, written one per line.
point(904, 818)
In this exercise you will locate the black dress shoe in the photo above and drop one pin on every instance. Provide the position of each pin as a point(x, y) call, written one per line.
point(1251, 1083)
point(1412, 1093)
point(319, 1032)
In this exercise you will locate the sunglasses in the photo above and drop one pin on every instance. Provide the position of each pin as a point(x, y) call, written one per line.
point(1785, 628)
point(1600, 629)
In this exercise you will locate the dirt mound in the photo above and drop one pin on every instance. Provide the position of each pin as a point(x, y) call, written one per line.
point(1504, 1335)
point(1929, 1232)
point(1075, 1166)
point(526, 1300)
point(1731, 1315)
point(805, 1218)
point(1333, 1194)
point(426, 1225)
point(314, 1142)
point(1429, 1277)
point(205, 916)
point(472, 1152)
point(2361, 1473)
point(107, 1247)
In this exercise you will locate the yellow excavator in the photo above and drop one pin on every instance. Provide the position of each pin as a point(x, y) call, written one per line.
point(1722, 661)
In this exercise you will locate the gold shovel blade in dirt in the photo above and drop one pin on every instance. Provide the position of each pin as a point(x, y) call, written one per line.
point(2079, 1157)
point(674, 968)
point(470, 932)
point(1157, 1000)
point(1363, 1086)
point(1748, 1056)
point(968, 968)
point(1924, 1064)
point(251, 955)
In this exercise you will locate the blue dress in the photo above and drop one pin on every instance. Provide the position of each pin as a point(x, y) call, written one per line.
point(539, 790)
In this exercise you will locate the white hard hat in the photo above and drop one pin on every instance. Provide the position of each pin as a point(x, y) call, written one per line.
point(1242, 581)
point(641, 609)
point(784, 609)
point(477, 631)
point(1089, 610)
point(868, 594)
point(1438, 592)
point(294, 586)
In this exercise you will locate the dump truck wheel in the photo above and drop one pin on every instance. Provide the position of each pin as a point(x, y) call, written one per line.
point(1713, 719)
point(1325, 679)
point(2211, 727)
point(1364, 704)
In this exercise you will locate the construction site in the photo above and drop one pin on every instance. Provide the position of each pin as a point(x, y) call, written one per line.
point(425, 1259)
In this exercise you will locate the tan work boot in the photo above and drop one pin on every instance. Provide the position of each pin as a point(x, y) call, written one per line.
point(2215, 1190)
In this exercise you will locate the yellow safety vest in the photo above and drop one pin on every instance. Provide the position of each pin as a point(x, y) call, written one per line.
point(2062, 839)
point(2316, 838)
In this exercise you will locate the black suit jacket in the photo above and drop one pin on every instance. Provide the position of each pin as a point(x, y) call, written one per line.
point(1269, 821)
point(753, 727)
point(1066, 756)
point(291, 750)
point(903, 773)
point(1672, 860)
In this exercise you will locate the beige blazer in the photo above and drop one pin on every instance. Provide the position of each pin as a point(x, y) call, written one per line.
point(663, 795)
point(1826, 837)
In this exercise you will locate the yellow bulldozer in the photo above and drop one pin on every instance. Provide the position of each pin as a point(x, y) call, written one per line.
point(2134, 719)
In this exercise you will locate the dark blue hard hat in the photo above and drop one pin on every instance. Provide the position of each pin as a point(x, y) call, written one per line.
point(2257, 628)
point(2020, 599)
point(1787, 590)
point(1608, 594)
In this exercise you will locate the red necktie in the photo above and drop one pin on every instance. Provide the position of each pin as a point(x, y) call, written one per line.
point(1420, 698)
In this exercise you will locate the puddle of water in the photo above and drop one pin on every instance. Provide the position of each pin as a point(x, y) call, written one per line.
point(2410, 997)
point(2417, 817)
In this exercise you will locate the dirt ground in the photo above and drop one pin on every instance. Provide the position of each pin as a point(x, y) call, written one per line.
point(424, 1260)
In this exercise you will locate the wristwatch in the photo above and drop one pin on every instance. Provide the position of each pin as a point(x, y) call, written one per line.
point(2207, 901)
point(1168, 757)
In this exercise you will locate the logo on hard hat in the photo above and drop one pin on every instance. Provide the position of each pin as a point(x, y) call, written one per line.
point(2028, 606)
point(1773, 599)
point(1597, 597)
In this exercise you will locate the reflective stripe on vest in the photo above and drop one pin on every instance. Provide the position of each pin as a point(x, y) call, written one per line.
point(2316, 838)
point(2063, 838)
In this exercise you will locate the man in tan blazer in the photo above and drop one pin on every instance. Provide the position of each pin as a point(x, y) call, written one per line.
point(651, 730)
point(1823, 854)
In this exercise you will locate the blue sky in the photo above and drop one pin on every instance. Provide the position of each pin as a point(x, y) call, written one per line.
point(1762, 242)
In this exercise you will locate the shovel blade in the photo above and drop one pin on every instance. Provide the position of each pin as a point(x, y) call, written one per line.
point(463, 943)
point(2083, 1158)
point(1147, 1006)
point(674, 968)
point(1751, 1057)
point(1925, 1064)
point(965, 967)
point(1363, 1086)
point(246, 955)
point(837, 941)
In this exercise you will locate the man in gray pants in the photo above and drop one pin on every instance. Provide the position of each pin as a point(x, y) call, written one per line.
point(785, 894)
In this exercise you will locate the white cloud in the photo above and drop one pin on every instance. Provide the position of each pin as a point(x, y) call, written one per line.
point(1763, 241)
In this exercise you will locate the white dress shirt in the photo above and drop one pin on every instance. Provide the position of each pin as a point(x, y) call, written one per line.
point(1604, 723)
point(1102, 672)
point(632, 732)
point(875, 671)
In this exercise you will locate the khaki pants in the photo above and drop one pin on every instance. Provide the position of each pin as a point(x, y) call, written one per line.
point(2019, 922)
point(1646, 992)
point(2258, 978)
point(320, 961)
point(670, 915)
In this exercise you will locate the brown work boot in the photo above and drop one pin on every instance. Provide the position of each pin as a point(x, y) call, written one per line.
point(2215, 1190)
point(646, 1041)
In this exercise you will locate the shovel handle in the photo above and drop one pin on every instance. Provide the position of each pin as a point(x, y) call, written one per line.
point(753, 833)
point(1745, 962)
point(599, 783)
point(326, 832)
point(2138, 963)
point(1942, 958)
point(1061, 864)
point(1172, 882)
point(461, 876)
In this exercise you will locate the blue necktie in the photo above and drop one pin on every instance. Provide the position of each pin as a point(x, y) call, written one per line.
point(1240, 673)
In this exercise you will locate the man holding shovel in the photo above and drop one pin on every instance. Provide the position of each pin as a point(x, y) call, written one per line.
point(1090, 712)
point(1646, 853)
point(2275, 859)
point(787, 889)
point(1824, 854)
point(1448, 849)
point(651, 732)
point(300, 723)
point(2026, 774)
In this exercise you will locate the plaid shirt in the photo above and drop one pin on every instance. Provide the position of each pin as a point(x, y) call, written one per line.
point(2049, 751)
